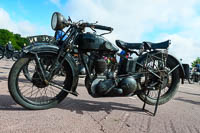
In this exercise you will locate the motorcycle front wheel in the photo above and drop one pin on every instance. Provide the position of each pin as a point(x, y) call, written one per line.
point(28, 70)
point(149, 82)
point(33, 93)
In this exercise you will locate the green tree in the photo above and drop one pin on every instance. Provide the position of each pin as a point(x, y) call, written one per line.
point(16, 39)
point(5, 36)
point(197, 61)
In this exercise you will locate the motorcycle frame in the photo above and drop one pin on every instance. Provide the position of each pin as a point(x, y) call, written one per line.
point(67, 46)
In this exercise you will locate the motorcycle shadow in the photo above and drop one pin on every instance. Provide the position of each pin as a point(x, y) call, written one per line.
point(187, 100)
point(195, 94)
point(76, 105)
point(3, 78)
point(81, 106)
point(5, 68)
point(7, 103)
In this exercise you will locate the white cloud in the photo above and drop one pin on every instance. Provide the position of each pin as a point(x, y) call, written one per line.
point(132, 19)
point(56, 2)
point(22, 27)
point(184, 48)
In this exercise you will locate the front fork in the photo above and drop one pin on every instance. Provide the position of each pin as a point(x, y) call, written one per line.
point(41, 69)
point(46, 77)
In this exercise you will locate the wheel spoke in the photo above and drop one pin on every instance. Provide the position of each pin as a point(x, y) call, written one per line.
point(33, 89)
point(153, 70)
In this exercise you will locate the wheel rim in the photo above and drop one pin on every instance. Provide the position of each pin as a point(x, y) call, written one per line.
point(1, 54)
point(38, 94)
point(162, 71)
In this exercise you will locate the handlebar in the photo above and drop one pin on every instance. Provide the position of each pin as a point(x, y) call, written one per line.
point(100, 27)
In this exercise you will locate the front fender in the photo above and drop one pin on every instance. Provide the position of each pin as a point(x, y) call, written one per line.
point(40, 47)
point(49, 48)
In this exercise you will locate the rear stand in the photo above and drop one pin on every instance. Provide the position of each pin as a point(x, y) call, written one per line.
point(156, 106)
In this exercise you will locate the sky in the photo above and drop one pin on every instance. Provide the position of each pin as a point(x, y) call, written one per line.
point(132, 20)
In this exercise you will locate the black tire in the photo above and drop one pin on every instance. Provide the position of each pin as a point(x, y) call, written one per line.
point(1, 53)
point(190, 80)
point(8, 54)
point(50, 98)
point(196, 76)
point(172, 85)
point(15, 56)
point(26, 72)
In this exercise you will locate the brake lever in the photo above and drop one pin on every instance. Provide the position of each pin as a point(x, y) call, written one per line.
point(94, 23)
point(105, 33)
point(69, 19)
point(93, 29)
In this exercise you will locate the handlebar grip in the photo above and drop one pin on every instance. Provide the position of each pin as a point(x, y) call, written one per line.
point(101, 27)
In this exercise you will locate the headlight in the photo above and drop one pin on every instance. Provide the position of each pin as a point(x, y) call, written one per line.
point(54, 21)
point(58, 21)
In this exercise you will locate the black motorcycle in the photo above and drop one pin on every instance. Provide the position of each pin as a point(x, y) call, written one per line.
point(4, 52)
point(195, 76)
point(154, 73)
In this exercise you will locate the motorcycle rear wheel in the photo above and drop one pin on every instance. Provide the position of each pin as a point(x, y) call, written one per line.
point(15, 56)
point(8, 54)
point(168, 90)
point(33, 93)
point(1, 53)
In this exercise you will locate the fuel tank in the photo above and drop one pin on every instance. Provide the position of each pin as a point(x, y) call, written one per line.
point(91, 42)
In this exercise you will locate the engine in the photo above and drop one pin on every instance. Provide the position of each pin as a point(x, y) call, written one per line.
point(100, 65)
point(105, 83)
point(128, 85)
point(102, 87)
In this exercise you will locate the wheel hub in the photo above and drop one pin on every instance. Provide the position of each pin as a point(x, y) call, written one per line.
point(164, 80)
point(37, 81)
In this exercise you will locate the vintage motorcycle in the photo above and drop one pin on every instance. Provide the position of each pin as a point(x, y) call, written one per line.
point(13, 54)
point(195, 76)
point(152, 71)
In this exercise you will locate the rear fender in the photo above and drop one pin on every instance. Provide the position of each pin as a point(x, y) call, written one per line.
point(180, 67)
point(49, 48)
point(178, 63)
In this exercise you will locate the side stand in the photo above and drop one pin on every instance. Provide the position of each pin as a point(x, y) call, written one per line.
point(156, 106)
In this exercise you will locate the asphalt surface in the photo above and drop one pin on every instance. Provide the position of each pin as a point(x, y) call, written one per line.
point(84, 114)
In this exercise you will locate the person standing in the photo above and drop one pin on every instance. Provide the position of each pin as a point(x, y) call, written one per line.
point(9, 46)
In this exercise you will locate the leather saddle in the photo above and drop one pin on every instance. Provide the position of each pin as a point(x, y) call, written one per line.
point(148, 45)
